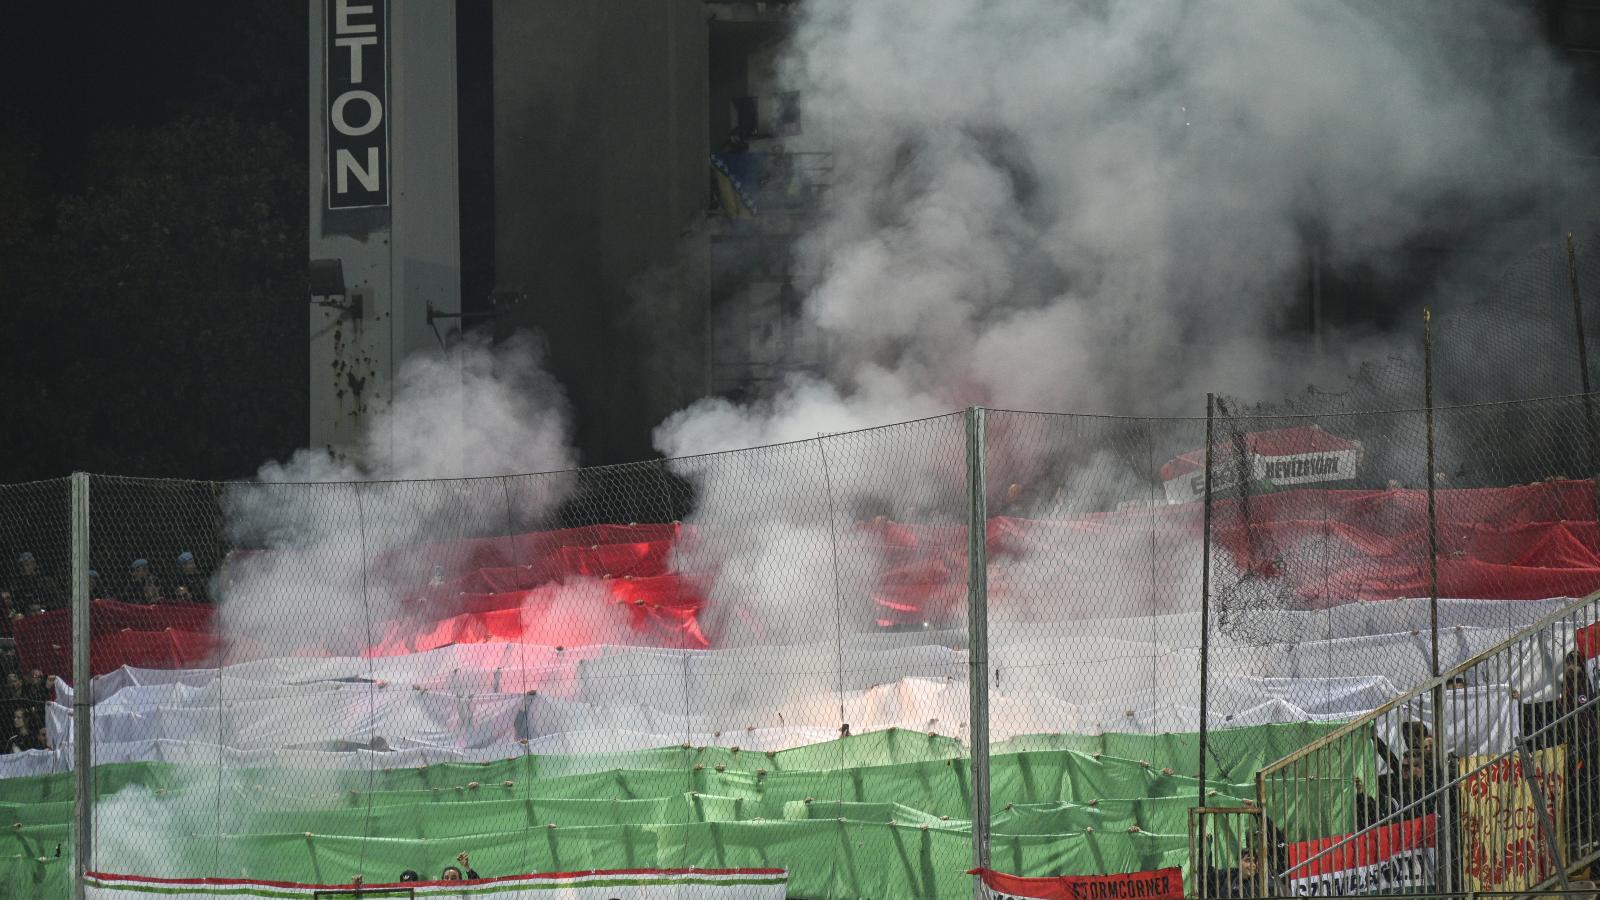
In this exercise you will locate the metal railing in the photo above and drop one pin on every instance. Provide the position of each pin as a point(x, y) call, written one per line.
point(1451, 760)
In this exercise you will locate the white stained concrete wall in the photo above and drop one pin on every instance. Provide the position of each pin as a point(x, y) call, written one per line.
point(398, 258)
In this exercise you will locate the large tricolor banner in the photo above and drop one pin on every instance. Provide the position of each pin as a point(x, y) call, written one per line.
point(1394, 857)
point(1162, 884)
point(618, 884)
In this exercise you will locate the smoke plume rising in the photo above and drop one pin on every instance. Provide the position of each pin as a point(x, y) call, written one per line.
point(1107, 207)
point(325, 521)
point(1100, 207)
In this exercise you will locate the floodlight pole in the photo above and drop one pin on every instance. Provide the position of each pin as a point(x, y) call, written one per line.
point(82, 689)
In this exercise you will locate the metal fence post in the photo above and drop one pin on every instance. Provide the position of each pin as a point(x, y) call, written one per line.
point(82, 688)
point(1446, 860)
point(1205, 599)
point(978, 637)
point(1433, 527)
point(1593, 439)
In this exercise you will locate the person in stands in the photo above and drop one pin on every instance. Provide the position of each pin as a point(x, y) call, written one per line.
point(22, 735)
point(1242, 880)
point(1579, 730)
point(133, 588)
point(190, 580)
point(11, 699)
point(1408, 786)
point(409, 875)
point(1413, 776)
point(453, 873)
point(152, 593)
point(1370, 810)
point(37, 689)
point(11, 693)
point(32, 587)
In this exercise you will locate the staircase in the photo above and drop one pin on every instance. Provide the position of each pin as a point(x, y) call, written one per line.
point(1430, 792)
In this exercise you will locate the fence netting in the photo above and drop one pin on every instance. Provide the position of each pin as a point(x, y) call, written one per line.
point(1333, 563)
point(762, 658)
point(35, 611)
point(736, 660)
point(1094, 642)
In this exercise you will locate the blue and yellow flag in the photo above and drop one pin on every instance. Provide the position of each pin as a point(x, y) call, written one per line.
point(736, 175)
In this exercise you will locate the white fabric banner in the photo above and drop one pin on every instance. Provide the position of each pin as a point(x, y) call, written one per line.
point(494, 701)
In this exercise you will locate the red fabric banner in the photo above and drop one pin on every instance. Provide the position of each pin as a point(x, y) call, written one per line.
point(1400, 856)
point(1161, 884)
point(1529, 542)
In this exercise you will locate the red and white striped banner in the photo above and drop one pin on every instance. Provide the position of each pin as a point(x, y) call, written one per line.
point(1162, 884)
point(645, 884)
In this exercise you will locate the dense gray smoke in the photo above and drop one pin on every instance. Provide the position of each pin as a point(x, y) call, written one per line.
point(325, 522)
point(1104, 207)
point(1107, 207)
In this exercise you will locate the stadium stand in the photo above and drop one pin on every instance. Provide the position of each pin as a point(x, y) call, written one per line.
point(576, 698)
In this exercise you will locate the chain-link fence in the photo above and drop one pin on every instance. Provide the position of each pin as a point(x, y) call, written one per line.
point(764, 659)
point(871, 660)
point(1370, 555)
point(36, 631)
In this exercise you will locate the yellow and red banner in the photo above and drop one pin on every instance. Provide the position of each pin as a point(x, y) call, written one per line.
point(1504, 846)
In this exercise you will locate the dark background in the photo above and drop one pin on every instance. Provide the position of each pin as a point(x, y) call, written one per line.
point(152, 237)
point(153, 240)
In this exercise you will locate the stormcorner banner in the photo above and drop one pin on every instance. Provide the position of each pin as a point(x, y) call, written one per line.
point(1401, 856)
point(1162, 884)
point(633, 884)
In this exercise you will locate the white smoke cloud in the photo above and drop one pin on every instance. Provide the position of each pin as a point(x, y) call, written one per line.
point(1102, 207)
point(325, 581)
point(1093, 207)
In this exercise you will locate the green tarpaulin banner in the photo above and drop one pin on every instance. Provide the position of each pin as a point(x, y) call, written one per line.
point(884, 814)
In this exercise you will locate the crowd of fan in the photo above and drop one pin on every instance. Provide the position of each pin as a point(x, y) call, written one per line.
point(32, 590)
point(1419, 782)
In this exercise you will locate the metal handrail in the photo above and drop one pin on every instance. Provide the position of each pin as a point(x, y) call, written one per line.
point(1427, 687)
point(1432, 689)
point(1422, 801)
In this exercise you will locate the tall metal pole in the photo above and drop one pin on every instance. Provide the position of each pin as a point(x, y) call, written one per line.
point(1577, 319)
point(1205, 598)
point(1583, 371)
point(1440, 753)
point(1541, 807)
point(1433, 531)
point(978, 637)
point(82, 689)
